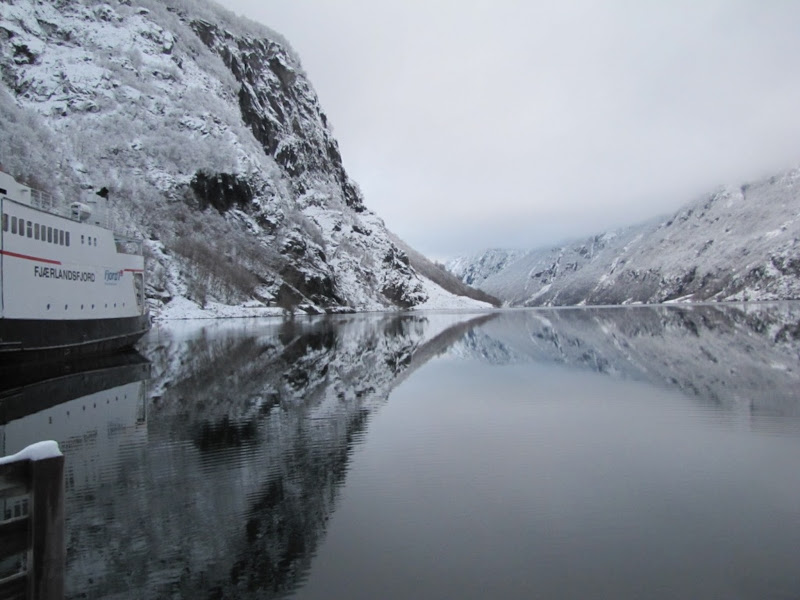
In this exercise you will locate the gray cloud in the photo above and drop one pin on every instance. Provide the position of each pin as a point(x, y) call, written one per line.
point(512, 123)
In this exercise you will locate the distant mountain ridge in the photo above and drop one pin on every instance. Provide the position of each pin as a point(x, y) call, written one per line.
point(737, 244)
point(213, 144)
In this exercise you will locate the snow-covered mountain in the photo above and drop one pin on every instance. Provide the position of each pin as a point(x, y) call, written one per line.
point(739, 243)
point(214, 146)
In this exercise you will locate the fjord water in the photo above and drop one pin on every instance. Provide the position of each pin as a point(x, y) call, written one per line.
point(605, 453)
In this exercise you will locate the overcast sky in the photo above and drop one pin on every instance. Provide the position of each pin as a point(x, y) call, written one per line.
point(474, 124)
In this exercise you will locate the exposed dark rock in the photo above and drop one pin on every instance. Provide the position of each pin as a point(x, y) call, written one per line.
point(222, 191)
point(319, 288)
point(398, 295)
point(395, 257)
point(295, 246)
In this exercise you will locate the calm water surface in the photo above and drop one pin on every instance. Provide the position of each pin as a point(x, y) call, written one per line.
point(597, 453)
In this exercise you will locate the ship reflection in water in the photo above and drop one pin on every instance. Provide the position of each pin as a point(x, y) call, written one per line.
point(90, 408)
point(539, 453)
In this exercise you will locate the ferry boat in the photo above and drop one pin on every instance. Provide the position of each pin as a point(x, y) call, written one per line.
point(69, 284)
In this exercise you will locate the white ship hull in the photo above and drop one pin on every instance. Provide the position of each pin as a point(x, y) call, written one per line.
point(67, 286)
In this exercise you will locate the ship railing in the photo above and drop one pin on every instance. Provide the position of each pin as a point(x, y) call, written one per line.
point(128, 245)
point(45, 201)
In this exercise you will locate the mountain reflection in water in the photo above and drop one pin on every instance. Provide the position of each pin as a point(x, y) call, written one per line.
point(740, 356)
point(218, 476)
point(271, 416)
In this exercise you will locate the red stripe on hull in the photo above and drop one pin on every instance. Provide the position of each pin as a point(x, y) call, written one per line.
point(33, 258)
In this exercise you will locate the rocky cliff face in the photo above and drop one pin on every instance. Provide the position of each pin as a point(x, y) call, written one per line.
point(739, 243)
point(213, 144)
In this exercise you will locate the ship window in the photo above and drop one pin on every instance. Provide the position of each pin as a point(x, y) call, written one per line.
point(36, 231)
point(13, 224)
point(67, 238)
point(30, 229)
point(50, 234)
point(81, 239)
point(21, 229)
point(5, 222)
point(61, 238)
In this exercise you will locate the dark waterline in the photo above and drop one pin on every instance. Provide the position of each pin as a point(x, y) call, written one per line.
point(605, 453)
